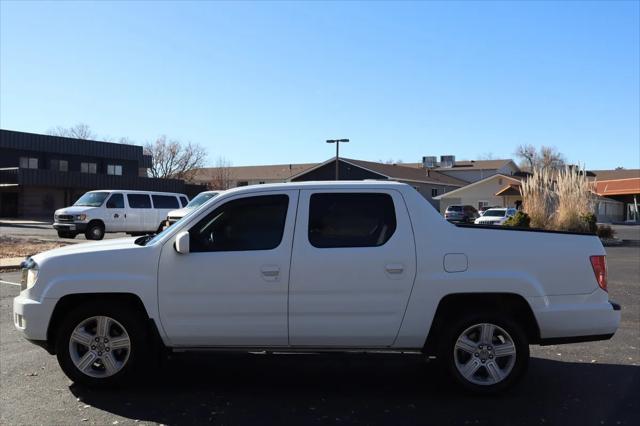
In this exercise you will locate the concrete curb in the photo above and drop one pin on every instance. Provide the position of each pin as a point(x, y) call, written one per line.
point(10, 263)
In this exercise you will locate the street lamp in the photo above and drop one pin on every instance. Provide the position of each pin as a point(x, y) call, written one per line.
point(337, 142)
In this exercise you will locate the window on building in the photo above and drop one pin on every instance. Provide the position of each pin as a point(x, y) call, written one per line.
point(434, 192)
point(114, 169)
point(90, 168)
point(351, 220)
point(28, 163)
point(252, 223)
point(60, 165)
point(165, 202)
point(139, 201)
point(116, 202)
point(482, 204)
point(261, 182)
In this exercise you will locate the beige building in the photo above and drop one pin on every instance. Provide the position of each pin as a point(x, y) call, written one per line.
point(497, 190)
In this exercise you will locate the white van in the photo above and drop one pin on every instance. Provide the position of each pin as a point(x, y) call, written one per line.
point(175, 215)
point(133, 212)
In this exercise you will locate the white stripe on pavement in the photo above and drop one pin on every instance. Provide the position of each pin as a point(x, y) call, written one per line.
point(10, 283)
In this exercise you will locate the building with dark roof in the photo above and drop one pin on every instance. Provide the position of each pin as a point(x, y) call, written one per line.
point(42, 173)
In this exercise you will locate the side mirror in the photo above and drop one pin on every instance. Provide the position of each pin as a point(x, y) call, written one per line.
point(182, 242)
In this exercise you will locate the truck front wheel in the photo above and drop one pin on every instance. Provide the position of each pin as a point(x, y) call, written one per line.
point(95, 231)
point(99, 345)
point(485, 353)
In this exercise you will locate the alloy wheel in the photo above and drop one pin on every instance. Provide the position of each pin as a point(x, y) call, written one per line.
point(99, 346)
point(484, 354)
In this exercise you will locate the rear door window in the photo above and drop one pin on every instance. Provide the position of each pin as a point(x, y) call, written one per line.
point(139, 201)
point(351, 219)
point(165, 202)
point(184, 201)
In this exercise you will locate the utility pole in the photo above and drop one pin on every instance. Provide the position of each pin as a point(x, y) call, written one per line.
point(337, 142)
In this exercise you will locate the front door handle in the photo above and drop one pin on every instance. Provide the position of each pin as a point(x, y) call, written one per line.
point(394, 268)
point(270, 272)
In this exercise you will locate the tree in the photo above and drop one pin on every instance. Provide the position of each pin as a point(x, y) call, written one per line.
point(174, 159)
point(79, 131)
point(221, 178)
point(547, 158)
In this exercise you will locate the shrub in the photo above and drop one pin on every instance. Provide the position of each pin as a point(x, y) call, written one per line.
point(605, 231)
point(519, 220)
point(589, 221)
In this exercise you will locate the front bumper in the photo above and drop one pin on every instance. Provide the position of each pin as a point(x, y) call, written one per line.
point(70, 227)
point(31, 317)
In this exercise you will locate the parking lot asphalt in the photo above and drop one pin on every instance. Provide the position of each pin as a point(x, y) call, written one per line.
point(595, 383)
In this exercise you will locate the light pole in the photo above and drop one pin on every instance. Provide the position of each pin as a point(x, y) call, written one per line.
point(337, 142)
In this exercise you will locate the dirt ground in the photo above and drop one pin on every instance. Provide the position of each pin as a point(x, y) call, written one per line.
point(21, 247)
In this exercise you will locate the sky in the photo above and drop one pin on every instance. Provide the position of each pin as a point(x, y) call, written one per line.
point(268, 83)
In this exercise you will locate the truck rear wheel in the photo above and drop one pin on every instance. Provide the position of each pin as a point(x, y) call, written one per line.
point(485, 353)
point(101, 345)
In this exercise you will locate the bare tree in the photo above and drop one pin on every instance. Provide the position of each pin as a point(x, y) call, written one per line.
point(547, 158)
point(550, 158)
point(174, 159)
point(79, 131)
point(221, 178)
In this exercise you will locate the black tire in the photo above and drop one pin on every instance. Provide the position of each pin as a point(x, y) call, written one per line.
point(126, 316)
point(95, 231)
point(447, 352)
point(66, 234)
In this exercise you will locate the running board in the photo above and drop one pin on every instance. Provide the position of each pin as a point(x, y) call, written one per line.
point(299, 350)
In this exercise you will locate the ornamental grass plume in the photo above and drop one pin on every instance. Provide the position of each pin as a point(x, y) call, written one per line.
point(575, 200)
point(539, 199)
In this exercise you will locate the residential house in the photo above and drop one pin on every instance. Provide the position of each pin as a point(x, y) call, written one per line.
point(429, 183)
point(469, 171)
point(497, 190)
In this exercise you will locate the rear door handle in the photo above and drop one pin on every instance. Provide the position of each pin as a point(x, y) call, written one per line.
point(270, 272)
point(394, 268)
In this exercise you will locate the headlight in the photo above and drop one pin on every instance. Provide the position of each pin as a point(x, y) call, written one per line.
point(81, 216)
point(32, 276)
point(29, 274)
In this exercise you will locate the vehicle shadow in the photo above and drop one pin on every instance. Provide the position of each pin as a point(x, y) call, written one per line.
point(369, 389)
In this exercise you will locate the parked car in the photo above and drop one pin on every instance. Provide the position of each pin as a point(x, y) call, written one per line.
point(495, 216)
point(460, 213)
point(312, 267)
point(483, 209)
point(175, 215)
point(133, 212)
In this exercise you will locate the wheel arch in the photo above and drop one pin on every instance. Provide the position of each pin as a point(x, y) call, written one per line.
point(451, 305)
point(70, 301)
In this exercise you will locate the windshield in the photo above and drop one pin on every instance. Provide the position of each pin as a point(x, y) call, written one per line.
point(495, 213)
point(92, 199)
point(201, 199)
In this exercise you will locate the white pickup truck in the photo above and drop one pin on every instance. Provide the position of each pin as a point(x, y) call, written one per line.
point(317, 266)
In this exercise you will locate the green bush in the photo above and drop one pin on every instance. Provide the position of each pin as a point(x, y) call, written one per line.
point(605, 231)
point(519, 220)
point(590, 222)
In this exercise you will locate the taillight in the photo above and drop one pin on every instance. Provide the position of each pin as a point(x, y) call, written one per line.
point(599, 264)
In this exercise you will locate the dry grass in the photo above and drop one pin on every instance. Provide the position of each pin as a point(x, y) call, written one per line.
point(575, 200)
point(539, 199)
point(22, 247)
